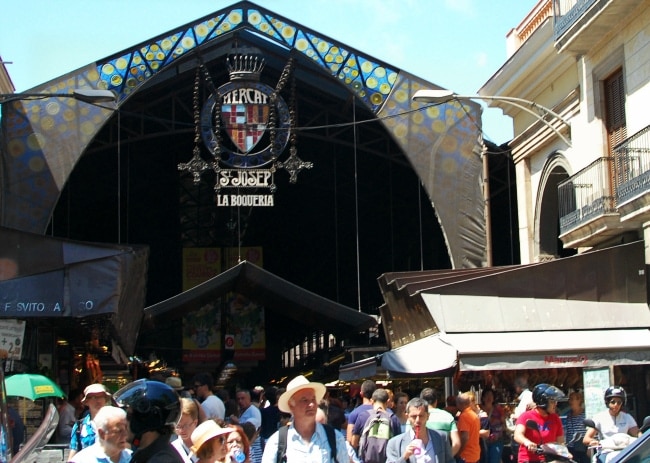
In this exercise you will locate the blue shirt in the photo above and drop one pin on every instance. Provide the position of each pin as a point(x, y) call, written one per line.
point(256, 450)
point(95, 454)
point(574, 424)
point(317, 450)
point(251, 415)
point(87, 434)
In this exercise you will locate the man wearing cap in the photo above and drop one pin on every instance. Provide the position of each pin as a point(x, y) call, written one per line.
point(83, 432)
point(177, 384)
point(306, 440)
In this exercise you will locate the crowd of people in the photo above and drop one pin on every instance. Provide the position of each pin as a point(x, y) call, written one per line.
point(167, 422)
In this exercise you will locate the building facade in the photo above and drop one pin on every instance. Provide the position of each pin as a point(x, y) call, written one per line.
point(588, 62)
point(575, 84)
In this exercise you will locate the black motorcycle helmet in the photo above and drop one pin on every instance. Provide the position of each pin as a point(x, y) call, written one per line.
point(150, 406)
point(543, 392)
point(615, 391)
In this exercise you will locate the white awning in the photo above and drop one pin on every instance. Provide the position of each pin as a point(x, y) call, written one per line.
point(521, 350)
point(427, 355)
point(466, 313)
point(365, 368)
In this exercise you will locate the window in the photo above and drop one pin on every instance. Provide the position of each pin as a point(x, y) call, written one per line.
point(615, 124)
point(614, 88)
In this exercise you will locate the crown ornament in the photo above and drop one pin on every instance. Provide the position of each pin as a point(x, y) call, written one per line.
point(245, 64)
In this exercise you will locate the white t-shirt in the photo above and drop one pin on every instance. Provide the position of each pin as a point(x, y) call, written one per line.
point(184, 452)
point(251, 415)
point(525, 398)
point(609, 425)
point(213, 407)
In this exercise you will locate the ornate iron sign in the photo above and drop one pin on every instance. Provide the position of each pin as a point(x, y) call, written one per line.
point(258, 123)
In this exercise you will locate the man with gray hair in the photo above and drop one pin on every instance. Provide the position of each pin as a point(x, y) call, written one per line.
point(419, 443)
point(111, 445)
point(441, 420)
point(304, 439)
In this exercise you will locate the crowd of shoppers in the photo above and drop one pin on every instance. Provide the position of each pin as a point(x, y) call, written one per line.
point(150, 420)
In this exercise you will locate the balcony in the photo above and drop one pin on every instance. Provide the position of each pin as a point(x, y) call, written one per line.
point(580, 24)
point(587, 210)
point(632, 158)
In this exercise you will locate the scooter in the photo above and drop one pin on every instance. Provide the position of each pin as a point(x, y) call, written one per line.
point(608, 448)
point(551, 451)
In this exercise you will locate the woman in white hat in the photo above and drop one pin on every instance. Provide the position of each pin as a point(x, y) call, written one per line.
point(83, 432)
point(209, 442)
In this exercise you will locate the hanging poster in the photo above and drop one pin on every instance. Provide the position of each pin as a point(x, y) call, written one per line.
point(202, 334)
point(199, 265)
point(595, 381)
point(246, 323)
point(12, 333)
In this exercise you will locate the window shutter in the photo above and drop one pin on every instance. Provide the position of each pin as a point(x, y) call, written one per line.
point(615, 109)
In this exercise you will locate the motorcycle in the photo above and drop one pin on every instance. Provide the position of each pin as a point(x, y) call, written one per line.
point(609, 448)
point(552, 452)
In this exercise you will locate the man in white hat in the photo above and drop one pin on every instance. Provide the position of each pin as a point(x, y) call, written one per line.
point(83, 432)
point(304, 439)
point(177, 384)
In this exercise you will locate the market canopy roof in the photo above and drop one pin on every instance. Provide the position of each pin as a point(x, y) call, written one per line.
point(274, 293)
point(586, 310)
point(442, 144)
point(42, 277)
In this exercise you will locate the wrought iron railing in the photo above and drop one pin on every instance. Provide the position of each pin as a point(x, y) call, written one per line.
point(632, 158)
point(586, 195)
point(566, 13)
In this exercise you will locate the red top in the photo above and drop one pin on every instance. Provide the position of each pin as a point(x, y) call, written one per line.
point(550, 428)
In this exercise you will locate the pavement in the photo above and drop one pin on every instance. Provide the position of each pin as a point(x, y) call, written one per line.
point(49, 456)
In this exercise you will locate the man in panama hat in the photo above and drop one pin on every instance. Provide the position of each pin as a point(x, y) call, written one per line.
point(304, 439)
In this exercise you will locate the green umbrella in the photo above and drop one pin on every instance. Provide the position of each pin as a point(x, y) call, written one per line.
point(32, 386)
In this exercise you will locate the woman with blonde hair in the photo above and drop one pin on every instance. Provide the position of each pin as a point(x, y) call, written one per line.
point(186, 425)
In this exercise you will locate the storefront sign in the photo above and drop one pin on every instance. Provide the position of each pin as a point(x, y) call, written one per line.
point(12, 334)
point(246, 125)
point(244, 200)
point(254, 178)
point(244, 108)
point(567, 360)
point(525, 361)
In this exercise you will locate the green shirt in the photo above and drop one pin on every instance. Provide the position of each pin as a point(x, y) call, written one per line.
point(441, 420)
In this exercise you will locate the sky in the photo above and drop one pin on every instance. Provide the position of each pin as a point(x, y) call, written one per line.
point(456, 44)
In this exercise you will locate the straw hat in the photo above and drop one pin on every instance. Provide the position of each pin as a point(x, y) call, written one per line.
point(297, 384)
point(95, 389)
point(206, 431)
point(175, 382)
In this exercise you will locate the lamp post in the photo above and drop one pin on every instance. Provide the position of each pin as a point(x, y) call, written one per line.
point(442, 96)
point(87, 95)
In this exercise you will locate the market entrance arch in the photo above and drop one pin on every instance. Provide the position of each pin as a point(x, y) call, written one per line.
point(381, 163)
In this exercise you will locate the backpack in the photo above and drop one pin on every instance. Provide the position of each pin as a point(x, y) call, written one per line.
point(281, 456)
point(374, 438)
